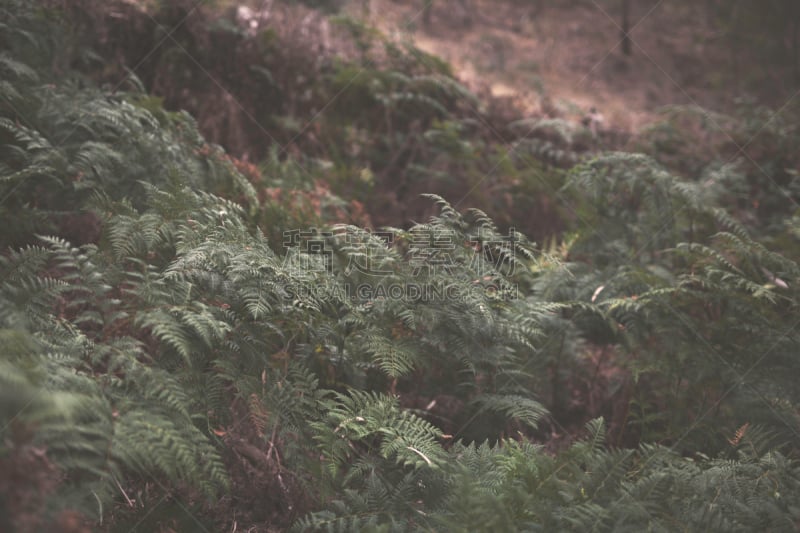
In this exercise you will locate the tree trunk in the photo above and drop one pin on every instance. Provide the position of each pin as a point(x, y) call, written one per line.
point(626, 26)
point(796, 47)
point(426, 12)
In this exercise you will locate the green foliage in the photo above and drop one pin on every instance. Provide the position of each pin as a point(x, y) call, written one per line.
point(170, 332)
point(746, 160)
point(591, 488)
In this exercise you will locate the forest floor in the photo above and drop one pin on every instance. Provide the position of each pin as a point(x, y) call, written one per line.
point(559, 59)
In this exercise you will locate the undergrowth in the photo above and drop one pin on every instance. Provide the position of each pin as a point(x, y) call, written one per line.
point(191, 342)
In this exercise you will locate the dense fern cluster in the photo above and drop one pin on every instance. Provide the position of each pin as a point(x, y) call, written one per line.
point(170, 333)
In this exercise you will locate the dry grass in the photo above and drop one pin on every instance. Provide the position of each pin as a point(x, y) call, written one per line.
point(562, 58)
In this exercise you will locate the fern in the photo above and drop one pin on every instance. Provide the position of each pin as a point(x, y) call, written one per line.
point(164, 338)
